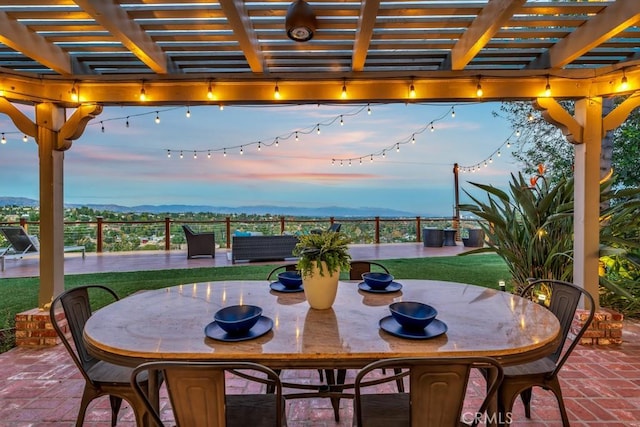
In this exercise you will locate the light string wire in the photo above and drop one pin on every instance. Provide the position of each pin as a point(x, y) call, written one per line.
point(396, 145)
point(489, 159)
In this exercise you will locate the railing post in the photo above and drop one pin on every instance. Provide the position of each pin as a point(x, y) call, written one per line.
point(456, 226)
point(23, 223)
point(281, 225)
point(167, 233)
point(228, 220)
point(377, 229)
point(331, 220)
point(99, 220)
point(418, 230)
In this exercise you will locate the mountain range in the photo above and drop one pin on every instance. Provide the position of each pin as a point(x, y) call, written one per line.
point(336, 211)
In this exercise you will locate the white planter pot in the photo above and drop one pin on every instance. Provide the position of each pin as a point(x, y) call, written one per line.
point(320, 291)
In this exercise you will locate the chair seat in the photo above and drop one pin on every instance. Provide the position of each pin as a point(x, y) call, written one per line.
point(538, 367)
point(254, 410)
point(108, 373)
point(381, 410)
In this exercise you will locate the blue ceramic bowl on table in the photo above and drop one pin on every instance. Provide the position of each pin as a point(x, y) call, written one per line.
point(412, 315)
point(290, 279)
point(377, 281)
point(237, 319)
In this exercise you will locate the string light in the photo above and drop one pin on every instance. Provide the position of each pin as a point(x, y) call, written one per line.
point(344, 89)
point(453, 113)
point(259, 146)
point(25, 138)
point(209, 154)
point(547, 88)
point(413, 138)
point(127, 122)
point(530, 117)
point(74, 93)
point(224, 153)
point(181, 155)
point(3, 140)
point(517, 133)
point(221, 107)
point(624, 84)
point(398, 148)
point(479, 91)
point(432, 128)
point(341, 121)
point(102, 127)
point(168, 154)
point(276, 141)
point(188, 114)
point(157, 117)
point(318, 131)
point(368, 109)
point(297, 139)
point(195, 155)
point(210, 91)
point(276, 92)
point(143, 93)
point(412, 90)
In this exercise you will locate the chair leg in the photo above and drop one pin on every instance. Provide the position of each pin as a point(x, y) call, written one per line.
point(525, 395)
point(270, 387)
point(554, 386)
point(116, 403)
point(87, 396)
point(321, 375)
point(399, 381)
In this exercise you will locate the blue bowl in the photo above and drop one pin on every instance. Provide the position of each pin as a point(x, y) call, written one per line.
point(412, 315)
point(377, 281)
point(237, 319)
point(290, 279)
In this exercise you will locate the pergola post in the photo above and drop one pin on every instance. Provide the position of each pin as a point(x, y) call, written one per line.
point(49, 120)
point(586, 224)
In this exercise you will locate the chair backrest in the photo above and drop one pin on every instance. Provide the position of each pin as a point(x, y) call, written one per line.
point(437, 387)
point(19, 240)
point(278, 269)
point(197, 389)
point(188, 231)
point(76, 308)
point(335, 227)
point(359, 267)
point(562, 299)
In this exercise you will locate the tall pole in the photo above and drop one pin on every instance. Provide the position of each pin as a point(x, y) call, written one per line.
point(457, 192)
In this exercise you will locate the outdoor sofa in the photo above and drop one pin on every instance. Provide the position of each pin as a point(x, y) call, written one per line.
point(262, 248)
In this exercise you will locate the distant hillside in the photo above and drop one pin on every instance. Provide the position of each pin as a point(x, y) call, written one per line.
point(252, 210)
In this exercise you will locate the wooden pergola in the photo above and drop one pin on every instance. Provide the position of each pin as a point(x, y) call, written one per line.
point(69, 58)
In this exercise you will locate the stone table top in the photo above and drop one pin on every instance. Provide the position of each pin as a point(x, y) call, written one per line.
point(169, 324)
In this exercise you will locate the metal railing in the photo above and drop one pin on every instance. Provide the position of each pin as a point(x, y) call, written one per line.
point(102, 235)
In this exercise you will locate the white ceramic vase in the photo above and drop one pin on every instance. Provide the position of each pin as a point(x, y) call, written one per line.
point(320, 291)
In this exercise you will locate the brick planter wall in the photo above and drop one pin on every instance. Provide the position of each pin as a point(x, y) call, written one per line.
point(34, 329)
point(605, 329)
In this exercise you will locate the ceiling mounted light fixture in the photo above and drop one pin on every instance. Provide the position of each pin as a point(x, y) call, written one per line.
point(300, 21)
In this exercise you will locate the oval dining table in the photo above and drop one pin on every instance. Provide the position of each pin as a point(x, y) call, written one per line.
point(170, 323)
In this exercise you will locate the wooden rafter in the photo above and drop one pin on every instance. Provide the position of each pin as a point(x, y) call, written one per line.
point(238, 18)
point(112, 17)
point(614, 19)
point(366, 23)
point(20, 38)
point(484, 27)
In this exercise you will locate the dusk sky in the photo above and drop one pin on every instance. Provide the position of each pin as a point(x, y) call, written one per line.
point(129, 165)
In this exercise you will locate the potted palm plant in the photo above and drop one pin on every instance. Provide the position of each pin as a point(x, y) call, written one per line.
point(321, 258)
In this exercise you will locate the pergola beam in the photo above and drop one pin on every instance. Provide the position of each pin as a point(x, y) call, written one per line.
point(113, 18)
point(614, 19)
point(366, 23)
point(238, 19)
point(19, 38)
point(488, 22)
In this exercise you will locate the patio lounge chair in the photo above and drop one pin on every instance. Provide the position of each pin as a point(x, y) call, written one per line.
point(199, 244)
point(21, 244)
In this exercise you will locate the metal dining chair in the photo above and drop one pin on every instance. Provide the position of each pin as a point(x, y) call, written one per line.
point(197, 392)
point(562, 298)
point(280, 268)
point(358, 268)
point(437, 389)
point(101, 378)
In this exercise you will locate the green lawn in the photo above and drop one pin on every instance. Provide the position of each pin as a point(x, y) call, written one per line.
point(22, 294)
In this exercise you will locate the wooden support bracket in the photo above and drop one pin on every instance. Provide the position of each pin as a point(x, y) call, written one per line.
point(76, 124)
point(618, 115)
point(553, 113)
point(22, 122)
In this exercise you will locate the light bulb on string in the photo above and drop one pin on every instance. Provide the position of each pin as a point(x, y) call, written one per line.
point(188, 114)
point(318, 130)
point(624, 84)
point(143, 93)
point(360, 160)
point(127, 122)
point(397, 147)
point(517, 133)
point(259, 146)
point(276, 92)
point(341, 163)
point(508, 144)
point(276, 141)
point(181, 155)
point(530, 117)
point(343, 95)
point(479, 91)
point(341, 121)
point(297, 139)
point(74, 93)
point(208, 154)
point(413, 138)
point(168, 154)
point(547, 88)
point(25, 138)
point(3, 140)
point(157, 117)
point(384, 153)
point(368, 109)
point(371, 159)
point(195, 155)
point(221, 107)
point(412, 90)
point(349, 162)
point(102, 127)
point(499, 153)
point(490, 159)
point(432, 128)
point(485, 163)
point(333, 162)
point(224, 152)
point(241, 150)
point(453, 113)
point(210, 91)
